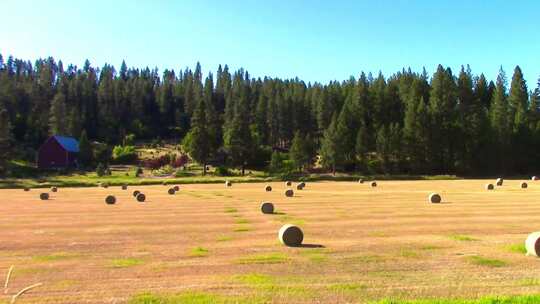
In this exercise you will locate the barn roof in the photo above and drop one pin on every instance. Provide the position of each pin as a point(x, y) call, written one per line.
point(68, 143)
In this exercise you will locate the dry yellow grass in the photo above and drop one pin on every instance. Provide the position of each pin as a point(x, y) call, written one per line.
point(390, 242)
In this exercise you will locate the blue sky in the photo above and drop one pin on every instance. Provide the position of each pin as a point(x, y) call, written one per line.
point(314, 40)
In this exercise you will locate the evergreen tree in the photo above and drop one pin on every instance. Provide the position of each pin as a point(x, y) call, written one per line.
point(518, 100)
point(237, 139)
point(442, 111)
point(57, 120)
point(5, 135)
point(86, 153)
point(301, 151)
point(197, 141)
point(416, 128)
point(330, 144)
point(362, 146)
point(501, 122)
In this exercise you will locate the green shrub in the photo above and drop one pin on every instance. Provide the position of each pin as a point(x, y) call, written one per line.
point(101, 170)
point(223, 171)
point(276, 162)
point(138, 172)
point(163, 171)
point(183, 173)
point(124, 154)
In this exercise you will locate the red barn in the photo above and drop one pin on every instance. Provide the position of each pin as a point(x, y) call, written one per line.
point(58, 152)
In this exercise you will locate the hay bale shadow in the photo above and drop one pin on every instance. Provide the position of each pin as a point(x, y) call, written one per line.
point(311, 246)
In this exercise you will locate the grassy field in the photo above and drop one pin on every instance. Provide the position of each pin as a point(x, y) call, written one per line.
point(211, 244)
point(126, 176)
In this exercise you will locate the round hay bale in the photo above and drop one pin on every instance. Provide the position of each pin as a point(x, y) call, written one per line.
point(268, 188)
point(26, 189)
point(435, 198)
point(176, 188)
point(373, 184)
point(361, 181)
point(303, 184)
point(288, 183)
point(289, 193)
point(228, 184)
point(54, 189)
point(524, 185)
point(141, 197)
point(171, 191)
point(110, 200)
point(290, 235)
point(44, 196)
point(267, 208)
point(124, 187)
point(136, 192)
point(299, 187)
point(489, 187)
point(535, 178)
point(499, 181)
point(532, 244)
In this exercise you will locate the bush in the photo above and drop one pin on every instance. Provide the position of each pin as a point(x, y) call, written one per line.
point(183, 173)
point(101, 170)
point(163, 171)
point(180, 161)
point(124, 154)
point(276, 163)
point(223, 171)
point(138, 172)
point(129, 140)
point(102, 154)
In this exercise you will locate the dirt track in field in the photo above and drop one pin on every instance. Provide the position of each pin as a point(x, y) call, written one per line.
point(378, 242)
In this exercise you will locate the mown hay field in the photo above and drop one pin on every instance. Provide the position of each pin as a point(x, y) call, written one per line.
point(212, 243)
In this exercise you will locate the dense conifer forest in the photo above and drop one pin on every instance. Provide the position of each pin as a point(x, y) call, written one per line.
point(410, 122)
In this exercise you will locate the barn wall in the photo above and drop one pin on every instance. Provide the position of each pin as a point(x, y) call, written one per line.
point(51, 155)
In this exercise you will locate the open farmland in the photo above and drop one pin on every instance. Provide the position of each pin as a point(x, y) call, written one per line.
point(362, 244)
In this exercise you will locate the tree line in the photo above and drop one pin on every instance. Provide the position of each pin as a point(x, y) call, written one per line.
point(409, 122)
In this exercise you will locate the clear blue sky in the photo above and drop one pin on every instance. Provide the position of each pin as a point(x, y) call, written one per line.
point(314, 40)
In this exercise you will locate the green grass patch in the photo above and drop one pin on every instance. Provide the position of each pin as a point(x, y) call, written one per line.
point(517, 248)
point(481, 261)
point(192, 298)
point(54, 257)
point(126, 262)
point(528, 299)
point(254, 279)
point(224, 238)
point(408, 253)
point(431, 247)
point(365, 259)
point(268, 258)
point(198, 252)
point(242, 221)
point(315, 255)
point(529, 282)
point(346, 287)
point(462, 238)
point(289, 219)
point(242, 228)
point(377, 234)
point(230, 210)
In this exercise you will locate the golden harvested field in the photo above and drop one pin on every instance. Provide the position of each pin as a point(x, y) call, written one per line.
point(362, 243)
